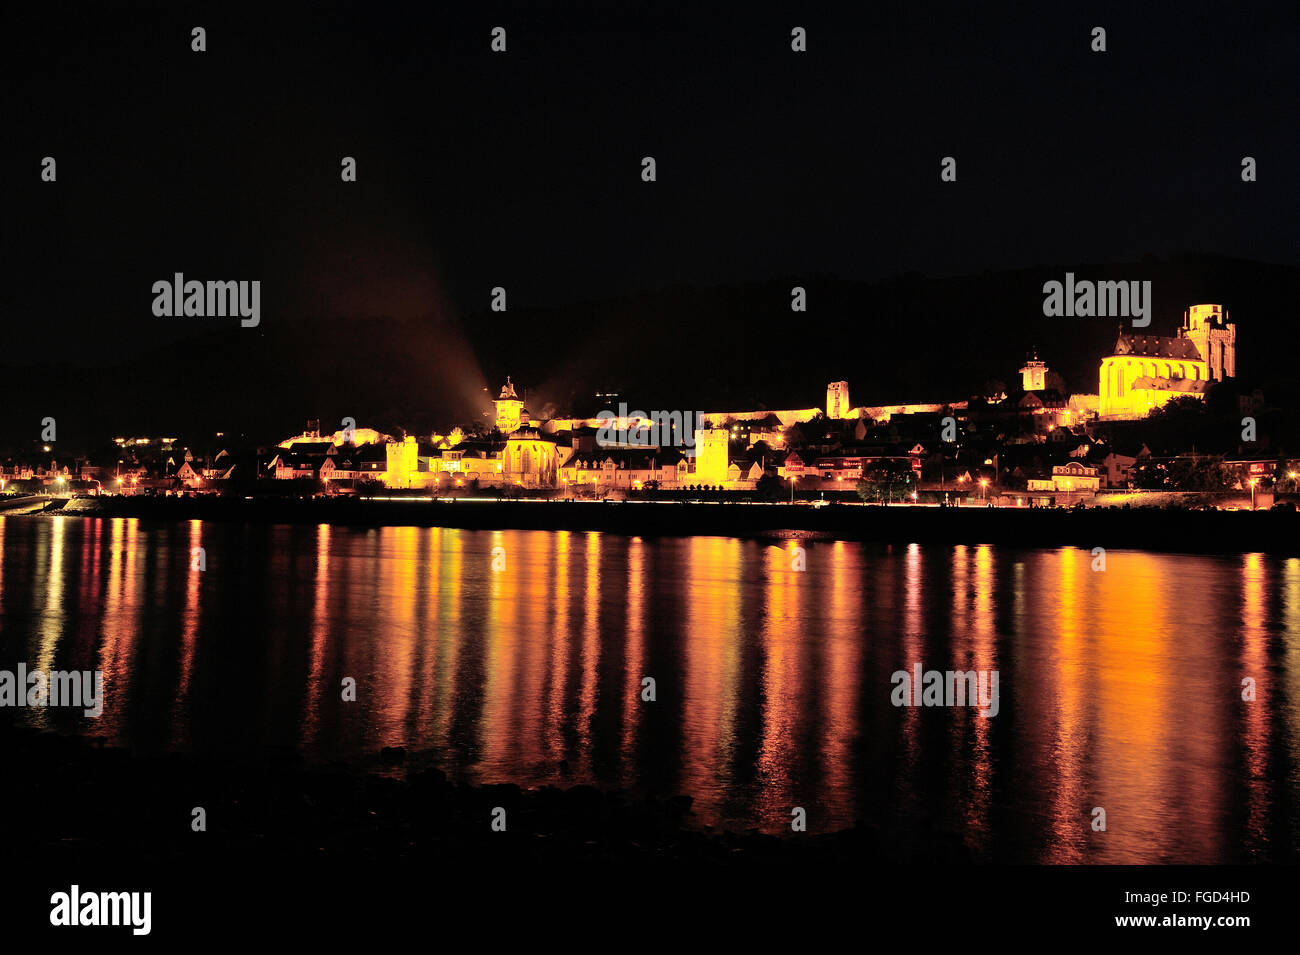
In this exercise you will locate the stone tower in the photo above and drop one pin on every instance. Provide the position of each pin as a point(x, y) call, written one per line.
point(837, 400)
point(711, 455)
point(402, 458)
point(1208, 328)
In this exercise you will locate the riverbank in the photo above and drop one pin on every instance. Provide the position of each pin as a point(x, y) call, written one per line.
point(1160, 529)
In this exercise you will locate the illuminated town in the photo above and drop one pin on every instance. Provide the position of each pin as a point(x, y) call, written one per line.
point(1027, 446)
point(637, 471)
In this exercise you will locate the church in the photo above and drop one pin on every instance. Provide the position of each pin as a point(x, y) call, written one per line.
point(1145, 371)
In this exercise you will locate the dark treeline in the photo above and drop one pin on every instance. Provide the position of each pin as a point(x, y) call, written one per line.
point(905, 339)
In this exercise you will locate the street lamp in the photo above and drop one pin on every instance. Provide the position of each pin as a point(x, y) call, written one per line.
point(984, 486)
point(1253, 482)
point(793, 478)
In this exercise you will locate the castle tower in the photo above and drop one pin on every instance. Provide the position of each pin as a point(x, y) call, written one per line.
point(1207, 327)
point(1033, 376)
point(402, 458)
point(509, 409)
point(837, 400)
point(711, 455)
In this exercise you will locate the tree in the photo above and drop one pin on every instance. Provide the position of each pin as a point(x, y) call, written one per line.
point(803, 433)
point(769, 487)
point(1187, 422)
point(369, 487)
point(886, 481)
point(1185, 473)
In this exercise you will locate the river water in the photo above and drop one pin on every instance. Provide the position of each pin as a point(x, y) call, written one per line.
point(522, 656)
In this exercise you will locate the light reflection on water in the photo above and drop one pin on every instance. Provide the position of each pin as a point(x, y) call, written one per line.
point(1119, 689)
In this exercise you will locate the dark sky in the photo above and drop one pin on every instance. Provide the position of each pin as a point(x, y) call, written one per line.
point(523, 169)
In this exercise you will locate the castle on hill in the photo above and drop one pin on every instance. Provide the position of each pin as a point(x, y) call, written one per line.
point(731, 450)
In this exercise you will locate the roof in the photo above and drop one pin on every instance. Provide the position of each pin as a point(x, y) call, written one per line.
point(628, 458)
point(1157, 346)
point(530, 434)
point(479, 447)
point(1041, 397)
point(1185, 386)
point(316, 448)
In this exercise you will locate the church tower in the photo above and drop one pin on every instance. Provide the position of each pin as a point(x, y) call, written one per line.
point(1033, 375)
point(1208, 328)
point(509, 409)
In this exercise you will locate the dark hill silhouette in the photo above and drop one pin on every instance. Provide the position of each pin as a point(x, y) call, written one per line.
point(908, 338)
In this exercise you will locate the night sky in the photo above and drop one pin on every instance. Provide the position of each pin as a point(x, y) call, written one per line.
point(523, 169)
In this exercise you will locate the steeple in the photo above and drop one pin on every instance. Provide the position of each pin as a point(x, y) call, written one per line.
point(1033, 375)
point(509, 409)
